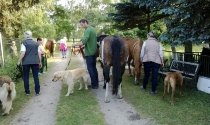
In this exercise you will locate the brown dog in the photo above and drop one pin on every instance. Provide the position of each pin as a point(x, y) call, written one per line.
point(76, 50)
point(7, 93)
point(172, 79)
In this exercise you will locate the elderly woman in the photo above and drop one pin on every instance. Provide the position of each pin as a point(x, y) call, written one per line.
point(152, 57)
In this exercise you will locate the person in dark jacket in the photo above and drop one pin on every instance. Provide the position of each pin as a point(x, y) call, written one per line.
point(31, 59)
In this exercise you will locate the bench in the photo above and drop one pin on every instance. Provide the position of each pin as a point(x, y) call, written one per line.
point(188, 70)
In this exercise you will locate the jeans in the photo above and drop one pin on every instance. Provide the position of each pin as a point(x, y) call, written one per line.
point(148, 66)
point(35, 70)
point(63, 52)
point(91, 66)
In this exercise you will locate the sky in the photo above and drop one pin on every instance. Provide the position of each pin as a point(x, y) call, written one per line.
point(65, 2)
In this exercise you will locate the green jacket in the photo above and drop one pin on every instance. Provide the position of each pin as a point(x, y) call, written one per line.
point(89, 40)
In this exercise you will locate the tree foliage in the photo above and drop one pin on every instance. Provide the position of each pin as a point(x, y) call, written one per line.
point(9, 15)
point(61, 17)
point(129, 15)
point(186, 20)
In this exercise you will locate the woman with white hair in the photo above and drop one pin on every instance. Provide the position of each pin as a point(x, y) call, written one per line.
point(31, 59)
point(152, 58)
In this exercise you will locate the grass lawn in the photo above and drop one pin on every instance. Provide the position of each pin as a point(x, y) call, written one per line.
point(81, 107)
point(191, 109)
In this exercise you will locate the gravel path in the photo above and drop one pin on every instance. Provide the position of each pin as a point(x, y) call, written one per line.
point(41, 109)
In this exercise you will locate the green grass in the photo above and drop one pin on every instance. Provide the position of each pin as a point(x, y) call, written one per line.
point(191, 109)
point(81, 107)
point(181, 48)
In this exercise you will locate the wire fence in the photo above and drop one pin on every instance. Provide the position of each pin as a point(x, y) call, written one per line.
point(9, 48)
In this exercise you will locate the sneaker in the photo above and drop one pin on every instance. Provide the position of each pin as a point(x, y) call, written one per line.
point(39, 74)
point(38, 94)
point(141, 87)
point(44, 72)
point(27, 94)
point(153, 92)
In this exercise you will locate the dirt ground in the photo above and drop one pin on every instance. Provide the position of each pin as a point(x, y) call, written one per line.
point(41, 109)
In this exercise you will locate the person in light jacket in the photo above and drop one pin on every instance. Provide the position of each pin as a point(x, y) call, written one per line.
point(152, 58)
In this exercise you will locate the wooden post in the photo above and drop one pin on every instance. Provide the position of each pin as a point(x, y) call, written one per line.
point(2, 52)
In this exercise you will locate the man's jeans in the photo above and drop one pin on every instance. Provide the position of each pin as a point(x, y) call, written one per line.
point(148, 66)
point(35, 70)
point(91, 66)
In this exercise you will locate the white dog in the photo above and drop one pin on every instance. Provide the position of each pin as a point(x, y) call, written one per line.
point(70, 77)
point(7, 93)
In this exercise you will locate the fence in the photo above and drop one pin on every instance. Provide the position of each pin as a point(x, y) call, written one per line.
point(5, 48)
point(194, 57)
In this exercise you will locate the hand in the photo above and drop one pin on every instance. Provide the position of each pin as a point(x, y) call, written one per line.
point(18, 63)
point(162, 64)
point(83, 46)
point(40, 65)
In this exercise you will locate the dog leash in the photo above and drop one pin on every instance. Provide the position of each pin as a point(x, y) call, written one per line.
point(69, 61)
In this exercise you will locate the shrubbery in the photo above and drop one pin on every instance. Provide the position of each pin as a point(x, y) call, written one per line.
point(10, 68)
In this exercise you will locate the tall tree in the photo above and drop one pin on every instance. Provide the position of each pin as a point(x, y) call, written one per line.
point(186, 20)
point(62, 19)
point(135, 14)
point(9, 15)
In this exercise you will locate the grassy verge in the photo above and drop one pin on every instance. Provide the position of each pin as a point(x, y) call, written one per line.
point(191, 109)
point(81, 107)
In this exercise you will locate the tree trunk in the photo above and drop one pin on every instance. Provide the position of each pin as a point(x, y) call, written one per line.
point(188, 47)
point(188, 55)
point(174, 54)
point(148, 22)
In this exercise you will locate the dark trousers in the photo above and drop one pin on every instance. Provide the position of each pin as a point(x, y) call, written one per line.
point(148, 66)
point(41, 70)
point(91, 66)
point(35, 70)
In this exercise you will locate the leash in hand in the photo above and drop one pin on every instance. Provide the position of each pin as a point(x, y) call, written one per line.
point(69, 60)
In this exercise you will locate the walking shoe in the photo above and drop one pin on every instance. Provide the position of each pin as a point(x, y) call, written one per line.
point(142, 88)
point(27, 94)
point(39, 74)
point(38, 94)
point(152, 93)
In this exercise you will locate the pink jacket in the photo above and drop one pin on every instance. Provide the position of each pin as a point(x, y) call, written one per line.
point(63, 46)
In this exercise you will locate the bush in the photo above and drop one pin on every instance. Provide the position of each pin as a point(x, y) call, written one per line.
point(10, 68)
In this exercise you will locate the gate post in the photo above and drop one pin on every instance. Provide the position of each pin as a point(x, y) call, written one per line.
point(2, 52)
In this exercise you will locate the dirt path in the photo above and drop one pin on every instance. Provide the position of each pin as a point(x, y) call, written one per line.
point(41, 109)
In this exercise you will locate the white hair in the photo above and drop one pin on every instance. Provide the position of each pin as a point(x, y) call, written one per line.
point(28, 34)
point(152, 34)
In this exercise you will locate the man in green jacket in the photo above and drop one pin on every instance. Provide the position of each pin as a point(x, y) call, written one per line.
point(90, 43)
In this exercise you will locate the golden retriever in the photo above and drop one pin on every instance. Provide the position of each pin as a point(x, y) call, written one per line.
point(172, 79)
point(7, 93)
point(70, 77)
